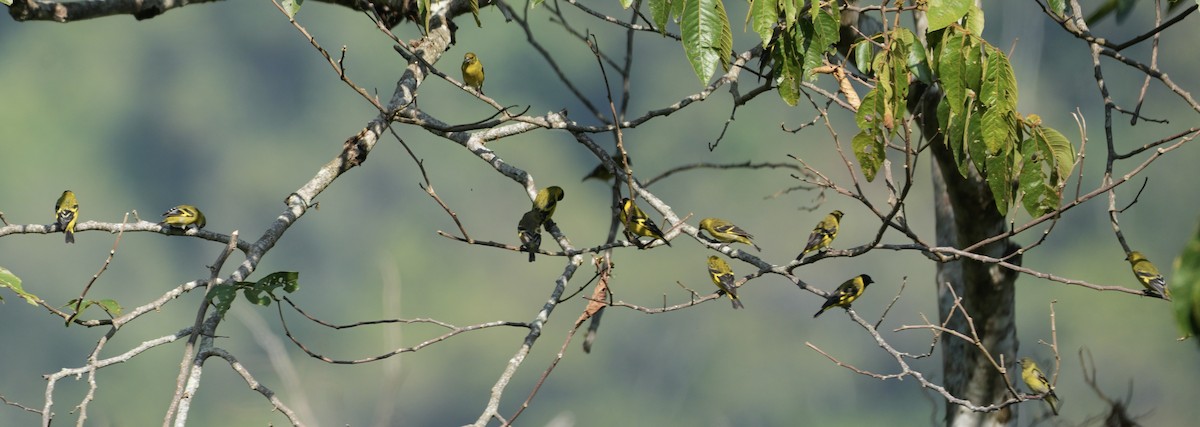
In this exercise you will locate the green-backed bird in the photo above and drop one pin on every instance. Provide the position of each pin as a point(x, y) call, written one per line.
point(638, 224)
point(724, 231)
point(846, 293)
point(1148, 274)
point(823, 234)
point(723, 277)
point(1036, 381)
point(546, 200)
point(602, 173)
point(66, 212)
point(184, 217)
point(529, 232)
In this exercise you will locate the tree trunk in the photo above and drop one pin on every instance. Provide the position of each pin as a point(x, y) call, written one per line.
point(966, 213)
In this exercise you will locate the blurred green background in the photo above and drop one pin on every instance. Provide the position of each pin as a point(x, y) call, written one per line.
point(227, 107)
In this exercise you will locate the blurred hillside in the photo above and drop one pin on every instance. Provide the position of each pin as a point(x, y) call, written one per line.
point(227, 107)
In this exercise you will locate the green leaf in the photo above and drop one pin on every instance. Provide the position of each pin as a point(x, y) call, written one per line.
point(791, 11)
point(951, 126)
point(724, 45)
point(707, 39)
point(222, 297)
point(942, 13)
point(974, 20)
point(660, 11)
point(261, 292)
point(762, 17)
point(1058, 6)
point(868, 150)
point(998, 130)
point(111, 306)
point(868, 144)
point(11, 281)
point(1038, 198)
point(6, 3)
point(1047, 160)
point(423, 12)
point(291, 7)
point(475, 13)
point(999, 178)
point(894, 76)
point(999, 86)
point(626, 3)
point(1061, 151)
point(825, 32)
point(787, 67)
point(950, 65)
point(972, 76)
point(862, 56)
point(918, 64)
point(677, 8)
point(1185, 287)
point(973, 139)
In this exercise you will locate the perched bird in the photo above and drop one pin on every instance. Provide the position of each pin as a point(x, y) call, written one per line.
point(823, 233)
point(846, 293)
point(1036, 381)
point(602, 173)
point(599, 172)
point(637, 223)
point(546, 200)
point(722, 276)
point(529, 232)
point(472, 71)
point(66, 212)
point(184, 217)
point(1148, 274)
point(725, 231)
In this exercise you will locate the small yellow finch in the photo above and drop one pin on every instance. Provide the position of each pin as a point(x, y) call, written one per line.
point(184, 217)
point(546, 200)
point(724, 231)
point(1036, 381)
point(723, 277)
point(823, 234)
point(66, 212)
point(472, 71)
point(529, 232)
point(1148, 274)
point(602, 173)
point(638, 224)
point(846, 293)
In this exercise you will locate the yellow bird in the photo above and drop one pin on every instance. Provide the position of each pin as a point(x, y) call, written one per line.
point(184, 217)
point(546, 200)
point(1148, 274)
point(1036, 381)
point(66, 212)
point(638, 224)
point(724, 231)
point(723, 277)
point(846, 293)
point(472, 71)
point(823, 234)
point(529, 233)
